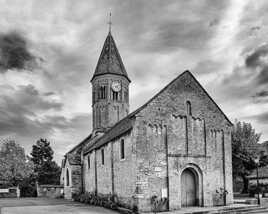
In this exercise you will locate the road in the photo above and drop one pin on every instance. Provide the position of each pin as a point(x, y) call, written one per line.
point(48, 206)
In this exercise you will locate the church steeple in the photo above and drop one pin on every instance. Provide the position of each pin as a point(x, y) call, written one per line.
point(110, 61)
point(110, 87)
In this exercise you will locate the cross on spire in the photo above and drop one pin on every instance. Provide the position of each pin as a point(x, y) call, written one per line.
point(110, 22)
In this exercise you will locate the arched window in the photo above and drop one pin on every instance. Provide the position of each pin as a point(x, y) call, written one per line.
point(67, 178)
point(115, 95)
point(88, 161)
point(102, 156)
point(122, 149)
point(189, 108)
point(102, 92)
point(126, 96)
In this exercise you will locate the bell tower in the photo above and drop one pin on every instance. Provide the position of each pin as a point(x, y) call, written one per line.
point(110, 87)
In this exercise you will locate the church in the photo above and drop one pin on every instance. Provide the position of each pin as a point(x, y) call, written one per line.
point(176, 147)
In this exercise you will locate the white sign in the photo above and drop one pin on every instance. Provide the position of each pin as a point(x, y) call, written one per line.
point(164, 193)
point(4, 190)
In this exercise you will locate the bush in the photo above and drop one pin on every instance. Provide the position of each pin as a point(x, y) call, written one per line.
point(97, 200)
point(108, 201)
point(255, 190)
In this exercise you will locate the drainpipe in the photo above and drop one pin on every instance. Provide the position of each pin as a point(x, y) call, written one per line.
point(224, 170)
point(166, 145)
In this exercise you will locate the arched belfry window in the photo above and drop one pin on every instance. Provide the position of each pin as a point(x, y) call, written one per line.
point(115, 95)
point(102, 92)
point(189, 108)
point(67, 178)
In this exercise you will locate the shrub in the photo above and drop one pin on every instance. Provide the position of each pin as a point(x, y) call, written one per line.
point(109, 201)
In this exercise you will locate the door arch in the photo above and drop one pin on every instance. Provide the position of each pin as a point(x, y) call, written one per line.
point(189, 188)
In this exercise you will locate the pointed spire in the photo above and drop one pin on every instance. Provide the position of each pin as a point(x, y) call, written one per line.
point(110, 61)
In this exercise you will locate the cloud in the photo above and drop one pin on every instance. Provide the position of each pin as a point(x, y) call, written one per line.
point(261, 118)
point(261, 94)
point(260, 97)
point(14, 52)
point(27, 115)
point(256, 58)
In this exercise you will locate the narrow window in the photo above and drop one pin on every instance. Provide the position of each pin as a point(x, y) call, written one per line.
point(102, 92)
point(102, 156)
point(126, 96)
point(67, 178)
point(189, 108)
point(122, 149)
point(115, 95)
point(88, 161)
point(94, 97)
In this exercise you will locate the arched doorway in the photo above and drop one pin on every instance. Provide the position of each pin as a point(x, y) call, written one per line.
point(189, 188)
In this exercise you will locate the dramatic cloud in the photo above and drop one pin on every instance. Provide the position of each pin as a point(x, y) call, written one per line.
point(14, 53)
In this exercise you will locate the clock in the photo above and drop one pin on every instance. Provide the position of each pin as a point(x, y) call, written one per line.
point(116, 86)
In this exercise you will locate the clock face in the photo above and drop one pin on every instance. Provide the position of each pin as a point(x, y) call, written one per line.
point(116, 86)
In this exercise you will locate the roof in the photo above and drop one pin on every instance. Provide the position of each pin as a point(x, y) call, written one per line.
point(127, 123)
point(117, 130)
point(110, 61)
point(263, 173)
point(80, 144)
point(74, 158)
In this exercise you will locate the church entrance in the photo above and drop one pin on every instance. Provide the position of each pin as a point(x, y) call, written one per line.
point(189, 186)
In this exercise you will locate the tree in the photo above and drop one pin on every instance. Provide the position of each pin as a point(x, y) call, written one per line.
point(245, 147)
point(15, 166)
point(47, 171)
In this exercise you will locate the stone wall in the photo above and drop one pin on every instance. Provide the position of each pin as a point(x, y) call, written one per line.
point(104, 176)
point(50, 191)
point(89, 172)
point(188, 141)
point(116, 175)
point(124, 169)
point(75, 180)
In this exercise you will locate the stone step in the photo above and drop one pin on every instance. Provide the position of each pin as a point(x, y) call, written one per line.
point(246, 201)
point(242, 210)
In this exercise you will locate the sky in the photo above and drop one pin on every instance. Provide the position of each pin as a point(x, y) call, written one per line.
point(49, 50)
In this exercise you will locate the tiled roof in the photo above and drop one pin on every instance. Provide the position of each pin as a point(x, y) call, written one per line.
point(117, 130)
point(74, 158)
point(110, 61)
point(73, 155)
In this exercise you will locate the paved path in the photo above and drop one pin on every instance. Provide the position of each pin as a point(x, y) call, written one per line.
point(48, 206)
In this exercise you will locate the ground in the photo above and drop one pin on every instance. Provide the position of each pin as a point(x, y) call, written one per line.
point(47, 206)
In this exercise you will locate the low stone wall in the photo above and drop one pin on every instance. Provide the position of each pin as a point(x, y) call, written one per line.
point(264, 202)
point(10, 192)
point(50, 191)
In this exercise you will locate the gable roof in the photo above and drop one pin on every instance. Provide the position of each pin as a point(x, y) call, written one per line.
point(117, 130)
point(74, 158)
point(110, 61)
point(187, 72)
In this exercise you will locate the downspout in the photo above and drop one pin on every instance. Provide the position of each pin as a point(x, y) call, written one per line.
point(166, 145)
point(112, 166)
point(223, 167)
point(96, 174)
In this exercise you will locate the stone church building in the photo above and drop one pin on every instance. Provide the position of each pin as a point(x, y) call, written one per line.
point(177, 146)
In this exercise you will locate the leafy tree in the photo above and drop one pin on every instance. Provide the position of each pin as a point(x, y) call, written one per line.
point(15, 166)
point(245, 147)
point(47, 171)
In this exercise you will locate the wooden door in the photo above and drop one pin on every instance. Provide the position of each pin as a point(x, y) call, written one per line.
point(188, 188)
